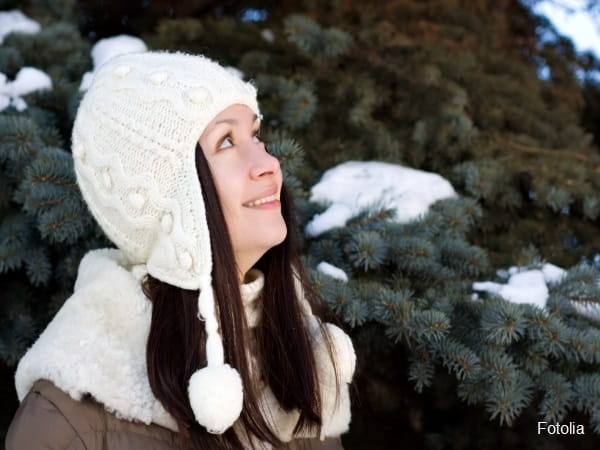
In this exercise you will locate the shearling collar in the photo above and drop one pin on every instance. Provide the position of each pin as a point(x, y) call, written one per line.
point(96, 344)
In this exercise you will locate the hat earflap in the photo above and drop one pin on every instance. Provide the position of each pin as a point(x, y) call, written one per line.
point(215, 391)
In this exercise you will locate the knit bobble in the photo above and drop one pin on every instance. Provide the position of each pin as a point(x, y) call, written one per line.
point(185, 259)
point(216, 397)
point(107, 179)
point(159, 78)
point(197, 96)
point(121, 71)
point(166, 223)
point(136, 201)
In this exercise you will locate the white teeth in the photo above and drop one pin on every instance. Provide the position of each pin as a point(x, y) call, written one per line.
point(262, 201)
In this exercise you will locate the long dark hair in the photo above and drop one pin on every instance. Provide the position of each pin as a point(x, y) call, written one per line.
point(176, 343)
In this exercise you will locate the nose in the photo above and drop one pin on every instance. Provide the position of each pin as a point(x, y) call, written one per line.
point(263, 163)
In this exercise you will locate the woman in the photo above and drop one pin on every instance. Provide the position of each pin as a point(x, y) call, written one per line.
point(197, 332)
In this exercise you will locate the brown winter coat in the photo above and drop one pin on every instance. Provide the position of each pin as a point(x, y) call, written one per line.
point(49, 419)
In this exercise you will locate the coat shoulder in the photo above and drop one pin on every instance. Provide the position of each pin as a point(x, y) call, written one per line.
point(41, 422)
point(315, 444)
point(50, 418)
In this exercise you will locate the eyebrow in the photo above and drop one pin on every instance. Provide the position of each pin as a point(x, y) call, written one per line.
point(234, 121)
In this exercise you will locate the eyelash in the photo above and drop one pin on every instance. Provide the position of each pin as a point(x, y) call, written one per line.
point(230, 137)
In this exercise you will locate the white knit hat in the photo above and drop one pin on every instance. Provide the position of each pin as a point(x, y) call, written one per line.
point(134, 142)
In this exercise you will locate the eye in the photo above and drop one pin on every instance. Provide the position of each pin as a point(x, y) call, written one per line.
point(256, 137)
point(226, 143)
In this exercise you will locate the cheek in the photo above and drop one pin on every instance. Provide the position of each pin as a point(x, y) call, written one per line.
point(230, 196)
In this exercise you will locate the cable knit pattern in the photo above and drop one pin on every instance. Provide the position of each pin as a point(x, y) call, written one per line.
point(134, 141)
point(100, 335)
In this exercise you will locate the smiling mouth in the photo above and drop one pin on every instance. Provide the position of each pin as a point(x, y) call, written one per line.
point(262, 201)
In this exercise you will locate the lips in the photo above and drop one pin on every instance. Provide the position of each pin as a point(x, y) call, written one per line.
point(267, 196)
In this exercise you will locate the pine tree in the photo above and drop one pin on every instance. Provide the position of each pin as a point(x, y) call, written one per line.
point(447, 86)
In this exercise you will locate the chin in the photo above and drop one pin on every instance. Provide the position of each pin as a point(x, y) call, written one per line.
point(260, 243)
point(279, 236)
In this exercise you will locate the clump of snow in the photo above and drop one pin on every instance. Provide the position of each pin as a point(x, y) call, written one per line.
point(552, 273)
point(353, 186)
point(589, 310)
point(28, 80)
point(522, 287)
point(108, 48)
point(15, 21)
point(531, 286)
point(332, 271)
point(573, 19)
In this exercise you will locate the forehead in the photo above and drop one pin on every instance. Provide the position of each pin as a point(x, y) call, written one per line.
point(234, 114)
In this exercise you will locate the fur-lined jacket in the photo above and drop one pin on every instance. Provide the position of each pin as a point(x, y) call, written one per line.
point(84, 384)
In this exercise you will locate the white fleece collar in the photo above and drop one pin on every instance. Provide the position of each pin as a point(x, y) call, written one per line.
point(96, 344)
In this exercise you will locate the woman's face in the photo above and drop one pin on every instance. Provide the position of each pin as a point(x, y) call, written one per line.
point(248, 181)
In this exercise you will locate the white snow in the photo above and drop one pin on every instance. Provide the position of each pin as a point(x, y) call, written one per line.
point(589, 310)
point(19, 104)
point(332, 271)
point(352, 186)
point(15, 21)
point(28, 80)
point(108, 48)
point(552, 273)
point(531, 286)
point(522, 287)
point(4, 102)
point(571, 19)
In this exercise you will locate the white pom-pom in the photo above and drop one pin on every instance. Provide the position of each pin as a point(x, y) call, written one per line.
point(216, 396)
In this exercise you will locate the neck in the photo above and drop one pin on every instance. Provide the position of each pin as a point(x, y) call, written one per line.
point(244, 263)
